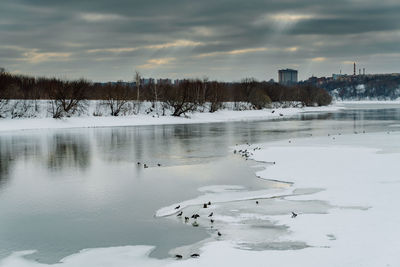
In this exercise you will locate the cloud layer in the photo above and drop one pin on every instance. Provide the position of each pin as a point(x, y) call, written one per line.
point(225, 40)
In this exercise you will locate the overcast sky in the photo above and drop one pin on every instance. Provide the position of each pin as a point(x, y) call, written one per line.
point(227, 40)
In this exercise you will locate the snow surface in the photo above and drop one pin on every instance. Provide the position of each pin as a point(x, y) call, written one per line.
point(43, 121)
point(358, 175)
point(370, 101)
point(222, 194)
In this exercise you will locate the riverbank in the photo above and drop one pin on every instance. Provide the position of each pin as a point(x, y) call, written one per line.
point(151, 119)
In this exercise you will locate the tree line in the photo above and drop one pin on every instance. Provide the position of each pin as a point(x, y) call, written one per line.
point(384, 87)
point(69, 97)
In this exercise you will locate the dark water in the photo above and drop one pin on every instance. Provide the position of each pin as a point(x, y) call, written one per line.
point(65, 190)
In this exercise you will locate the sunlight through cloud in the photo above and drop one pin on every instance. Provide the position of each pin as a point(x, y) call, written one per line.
point(156, 62)
point(233, 52)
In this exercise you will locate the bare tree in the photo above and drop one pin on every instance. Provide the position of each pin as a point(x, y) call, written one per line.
point(4, 85)
point(68, 98)
point(118, 99)
point(215, 97)
point(259, 98)
point(138, 81)
point(155, 103)
point(182, 98)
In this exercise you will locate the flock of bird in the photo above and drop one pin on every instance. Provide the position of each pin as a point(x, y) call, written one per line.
point(195, 216)
point(246, 153)
point(196, 224)
point(146, 166)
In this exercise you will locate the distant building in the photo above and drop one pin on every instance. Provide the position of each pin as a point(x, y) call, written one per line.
point(177, 81)
point(148, 81)
point(337, 76)
point(287, 76)
point(312, 80)
point(164, 81)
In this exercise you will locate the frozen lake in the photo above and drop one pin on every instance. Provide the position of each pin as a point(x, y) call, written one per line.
point(66, 190)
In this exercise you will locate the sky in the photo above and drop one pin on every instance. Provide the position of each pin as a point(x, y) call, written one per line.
point(224, 40)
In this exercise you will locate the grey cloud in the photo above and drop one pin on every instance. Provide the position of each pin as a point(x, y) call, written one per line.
point(336, 30)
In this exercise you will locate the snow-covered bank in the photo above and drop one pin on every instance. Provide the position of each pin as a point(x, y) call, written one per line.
point(356, 174)
point(364, 102)
point(142, 119)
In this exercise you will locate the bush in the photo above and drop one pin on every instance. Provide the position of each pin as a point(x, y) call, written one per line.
point(259, 98)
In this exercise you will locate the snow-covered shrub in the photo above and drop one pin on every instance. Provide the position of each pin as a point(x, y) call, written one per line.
point(22, 109)
point(4, 108)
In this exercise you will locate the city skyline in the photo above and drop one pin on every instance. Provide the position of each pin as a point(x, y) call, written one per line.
point(225, 41)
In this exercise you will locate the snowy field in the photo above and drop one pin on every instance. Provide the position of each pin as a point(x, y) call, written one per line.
point(344, 189)
point(43, 121)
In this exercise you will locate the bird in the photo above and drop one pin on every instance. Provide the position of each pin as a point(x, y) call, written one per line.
point(138, 163)
point(195, 216)
point(195, 224)
point(205, 205)
point(211, 214)
point(178, 256)
point(290, 141)
point(195, 255)
point(234, 151)
point(212, 221)
point(179, 214)
point(158, 164)
point(273, 111)
point(219, 234)
point(145, 166)
point(257, 202)
point(294, 215)
point(209, 203)
point(177, 207)
point(186, 219)
point(280, 114)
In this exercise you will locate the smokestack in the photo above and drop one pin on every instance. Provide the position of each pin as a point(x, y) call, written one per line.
point(354, 72)
point(363, 71)
point(359, 71)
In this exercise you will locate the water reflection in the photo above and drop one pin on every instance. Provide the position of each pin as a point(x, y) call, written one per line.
point(13, 149)
point(68, 151)
point(5, 165)
point(387, 114)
